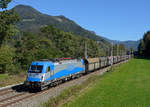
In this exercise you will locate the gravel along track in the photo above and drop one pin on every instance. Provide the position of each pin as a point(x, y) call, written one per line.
point(5, 91)
point(17, 96)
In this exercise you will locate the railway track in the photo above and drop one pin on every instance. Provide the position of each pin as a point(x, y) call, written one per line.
point(11, 96)
point(15, 95)
point(15, 99)
point(5, 91)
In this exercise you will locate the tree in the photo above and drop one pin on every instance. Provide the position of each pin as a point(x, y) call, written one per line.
point(115, 50)
point(7, 29)
point(146, 40)
point(122, 49)
point(144, 46)
point(6, 58)
point(131, 50)
point(69, 44)
point(4, 3)
point(141, 48)
point(7, 21)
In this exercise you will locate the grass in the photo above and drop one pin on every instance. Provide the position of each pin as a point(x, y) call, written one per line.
point(3, 76)
point(6, 79)
point(69, 92)
point(128, 86)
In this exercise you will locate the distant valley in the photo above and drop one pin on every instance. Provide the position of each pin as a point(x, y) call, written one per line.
point(128, 44)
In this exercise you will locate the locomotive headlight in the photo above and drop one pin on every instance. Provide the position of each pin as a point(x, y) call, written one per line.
point(42, 78)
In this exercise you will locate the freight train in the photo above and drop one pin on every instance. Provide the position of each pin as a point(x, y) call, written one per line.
point(45, 73)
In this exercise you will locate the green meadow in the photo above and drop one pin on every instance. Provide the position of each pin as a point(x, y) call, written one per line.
point(127, 86)
point(7, 79)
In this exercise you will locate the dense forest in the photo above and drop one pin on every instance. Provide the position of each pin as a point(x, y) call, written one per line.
point(19, 48)
point(144, 46)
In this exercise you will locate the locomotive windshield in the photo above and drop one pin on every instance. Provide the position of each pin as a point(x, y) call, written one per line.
point(36, 69)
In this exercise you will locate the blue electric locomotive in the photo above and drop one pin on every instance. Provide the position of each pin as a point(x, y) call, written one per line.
point(45, 73)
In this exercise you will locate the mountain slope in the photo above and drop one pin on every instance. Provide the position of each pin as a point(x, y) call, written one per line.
point(128, 44)
point(31, 20)
point(131, 44)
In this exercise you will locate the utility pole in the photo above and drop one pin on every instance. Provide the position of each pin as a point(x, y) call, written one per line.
point(108, 51)
point(117, 50)
point(85, 51)
point(112, 55)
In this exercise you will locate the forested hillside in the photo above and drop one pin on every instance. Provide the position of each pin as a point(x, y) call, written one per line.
point(50, 43)
point(18, 50)
point(32, 20)
point(28, 35)
point(34, 39)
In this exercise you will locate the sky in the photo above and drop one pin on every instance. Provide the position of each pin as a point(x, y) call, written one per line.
point(113, 19)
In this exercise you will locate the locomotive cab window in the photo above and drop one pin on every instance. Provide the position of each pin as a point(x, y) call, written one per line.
point(48, 69)
point(36, 69)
